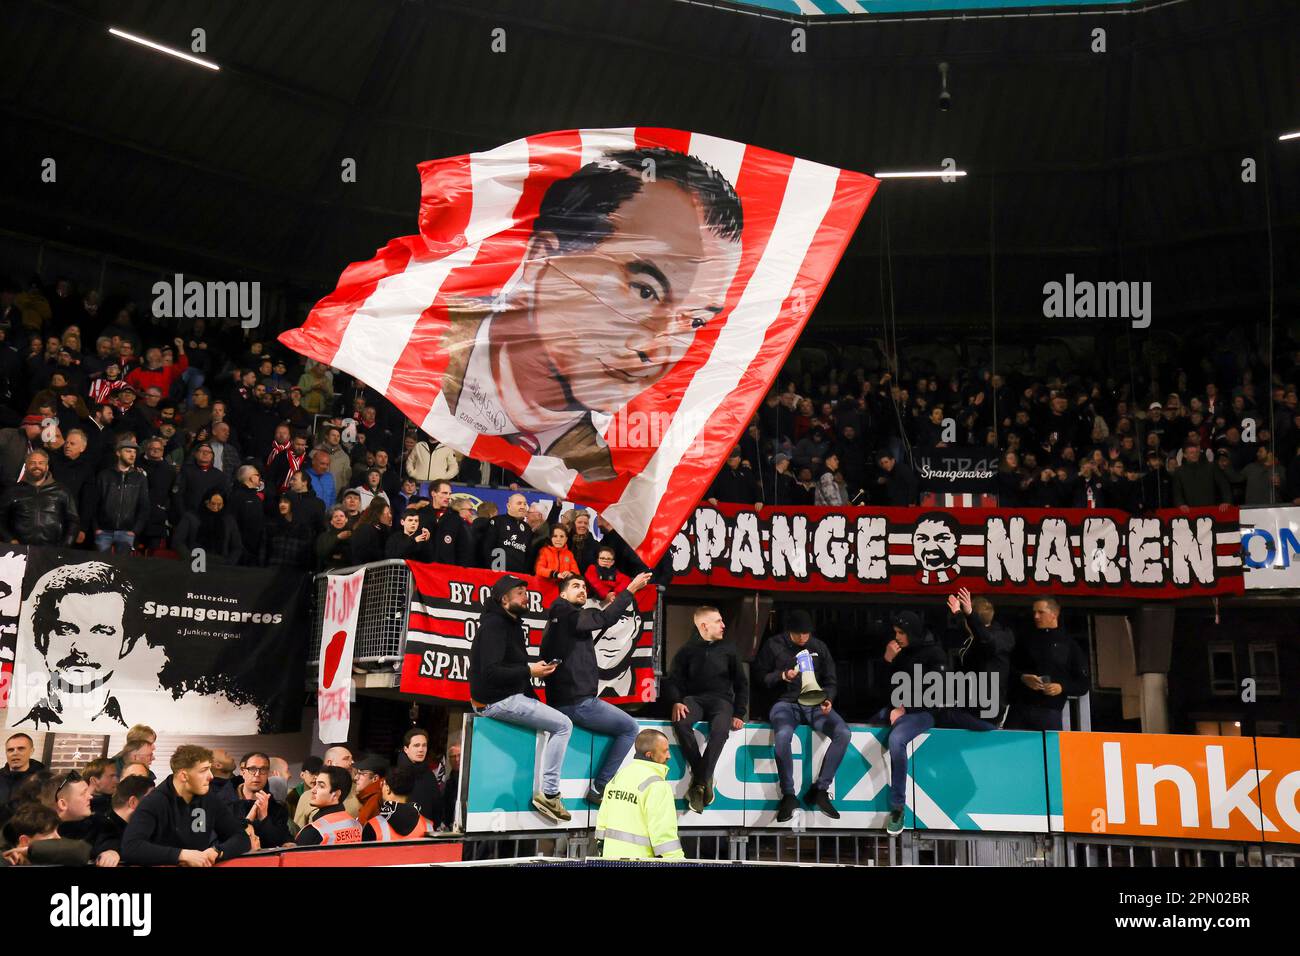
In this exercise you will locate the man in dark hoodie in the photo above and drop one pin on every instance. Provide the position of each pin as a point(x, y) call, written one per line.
point(779, 665)
point(573, 687)
point(986, 649)
point(501, 685)
point(911, 653)
point(19, 765)
point(1046, 669)
point(707, 682)
point(110, 824)
point(181, 822)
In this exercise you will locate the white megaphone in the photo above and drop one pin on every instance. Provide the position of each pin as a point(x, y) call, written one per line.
point(810, 692)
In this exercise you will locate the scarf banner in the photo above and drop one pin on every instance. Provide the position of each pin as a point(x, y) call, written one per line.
point(339, 632)
point(105, 642)
point(598, 310)
point(445, 605)
point(13, 564)
point(1168, 554)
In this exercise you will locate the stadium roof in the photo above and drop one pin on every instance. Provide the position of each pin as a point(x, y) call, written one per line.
point(1123, 164)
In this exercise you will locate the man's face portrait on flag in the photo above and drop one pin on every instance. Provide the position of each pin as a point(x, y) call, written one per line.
point(628, 258)
point(614, 310)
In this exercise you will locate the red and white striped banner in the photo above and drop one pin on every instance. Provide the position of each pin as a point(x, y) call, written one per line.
point(600, 311)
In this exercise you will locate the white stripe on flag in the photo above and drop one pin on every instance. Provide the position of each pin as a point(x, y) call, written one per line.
point(808, 194)
point(724, 155)
point(598, 141)
point(377, 334)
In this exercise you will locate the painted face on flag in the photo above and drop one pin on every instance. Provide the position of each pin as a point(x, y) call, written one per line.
point(615, 318)
point(934, 544)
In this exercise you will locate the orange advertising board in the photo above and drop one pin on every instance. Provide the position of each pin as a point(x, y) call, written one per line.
point(1190, 787)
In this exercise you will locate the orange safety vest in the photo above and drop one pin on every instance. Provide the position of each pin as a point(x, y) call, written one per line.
point(423, 830)
point(337, 827)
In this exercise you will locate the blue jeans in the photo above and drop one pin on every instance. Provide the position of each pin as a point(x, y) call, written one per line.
point(964, 720)
point(902, 733)
point(601, 717)
point(119, 542)
point(786, 715)
point(528, 712)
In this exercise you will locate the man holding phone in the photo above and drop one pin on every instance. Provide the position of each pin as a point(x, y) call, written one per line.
point(572, 688)
point(1045, 670)
point(501, 686)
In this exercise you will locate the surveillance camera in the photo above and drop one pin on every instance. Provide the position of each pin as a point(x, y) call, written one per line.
point(945, 100)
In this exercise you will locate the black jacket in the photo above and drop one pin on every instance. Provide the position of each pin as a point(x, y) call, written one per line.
point(368, 542)
point(9, 781)
point(512, 536)
point(249, 513)
point(708, 669)
point(450, 540)
point(988, 650)
point(195, 482)
point(162, 479)
point(900, 486)
point(272, 831)
point(425, 798)
point(1055, 654)
point(35, 516)
point(570, 635)
point(404, 546)
point(778, 656)
point(498, 657)
point(123, 500)
point(164, 824)
point(736, 485)
point(923, 651)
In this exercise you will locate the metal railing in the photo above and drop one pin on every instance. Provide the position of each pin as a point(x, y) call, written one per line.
point(381, 621)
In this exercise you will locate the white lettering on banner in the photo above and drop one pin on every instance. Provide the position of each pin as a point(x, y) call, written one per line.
point(1074, 550)
point(1224, 799)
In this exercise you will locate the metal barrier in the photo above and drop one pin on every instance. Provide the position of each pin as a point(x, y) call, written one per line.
point(381, 622)
point(911, 848)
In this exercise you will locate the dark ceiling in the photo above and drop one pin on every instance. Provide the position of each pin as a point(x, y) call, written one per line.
point(1117, 165)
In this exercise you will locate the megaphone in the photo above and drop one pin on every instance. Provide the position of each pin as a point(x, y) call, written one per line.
point(810, 693)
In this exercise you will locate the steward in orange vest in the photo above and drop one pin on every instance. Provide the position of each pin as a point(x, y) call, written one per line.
point(405, 822)
point(332, 825)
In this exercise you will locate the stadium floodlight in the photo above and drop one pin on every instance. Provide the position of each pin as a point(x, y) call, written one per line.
point(1286, 136)
point(919, 174)
point(170, 51)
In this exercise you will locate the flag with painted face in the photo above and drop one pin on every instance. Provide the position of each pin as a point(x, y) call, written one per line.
point(600, 311)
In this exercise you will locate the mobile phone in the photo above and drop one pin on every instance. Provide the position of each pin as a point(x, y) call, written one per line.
point(1044, 679)
point(556, 662)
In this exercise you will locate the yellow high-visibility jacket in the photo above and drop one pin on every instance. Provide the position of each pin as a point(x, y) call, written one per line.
point(638, 818)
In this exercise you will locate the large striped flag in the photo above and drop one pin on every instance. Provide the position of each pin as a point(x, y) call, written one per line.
point(599, 311)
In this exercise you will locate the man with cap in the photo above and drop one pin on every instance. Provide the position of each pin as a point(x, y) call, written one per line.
point(371, 771)
point(15, 444)
point(911, 653)
point(735, 484)
point(501, 685)
point(782, 489)
point(197, 478)
point(799, 667)
point(122, 495)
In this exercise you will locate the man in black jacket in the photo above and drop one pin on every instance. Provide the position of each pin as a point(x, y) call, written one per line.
point(573, 687)
point(899, 481)
point(735, 484)
point(451, 542)
point(501, 685)
point(38, 510)
point(1045, 670)
point(912, 654)
point(122, 501)
point(507, 537)
point(410, 542)
point(253, 802)
point(111, 823)
point(19, 765)
point(782, 663)
point(986, 653)
point(181, 822)
point(707, 682)
point(423, 795)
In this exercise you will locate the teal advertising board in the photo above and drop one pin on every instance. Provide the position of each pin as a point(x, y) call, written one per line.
point(958, 780)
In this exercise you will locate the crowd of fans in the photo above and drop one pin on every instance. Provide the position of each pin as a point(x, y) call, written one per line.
point(117, 433)
point(114, 810)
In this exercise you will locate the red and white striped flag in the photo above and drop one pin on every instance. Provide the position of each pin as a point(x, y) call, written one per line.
point(600, 311)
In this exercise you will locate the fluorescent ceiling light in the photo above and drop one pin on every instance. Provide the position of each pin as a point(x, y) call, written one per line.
point(920, 174)
point(180, 54)
point(1295, 135)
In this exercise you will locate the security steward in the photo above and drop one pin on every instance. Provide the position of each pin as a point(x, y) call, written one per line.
point(405, 822)
point(333, 824)
point(638, 816)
